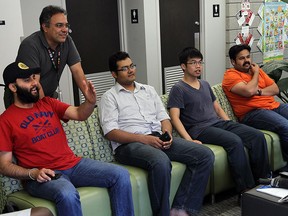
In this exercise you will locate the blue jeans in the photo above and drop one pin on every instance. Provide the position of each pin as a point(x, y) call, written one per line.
point(87, 172)
point(275, 120)
point(198, 159)
point(233, 137)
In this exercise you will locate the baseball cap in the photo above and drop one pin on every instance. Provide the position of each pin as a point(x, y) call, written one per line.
point(18, 70)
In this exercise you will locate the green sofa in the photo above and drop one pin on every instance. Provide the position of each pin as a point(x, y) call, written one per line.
point(86, 140)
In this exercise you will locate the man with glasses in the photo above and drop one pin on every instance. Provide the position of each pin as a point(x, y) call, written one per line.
point(133, 117)
point(196, 114)
point(50, 49)
point(31, 130)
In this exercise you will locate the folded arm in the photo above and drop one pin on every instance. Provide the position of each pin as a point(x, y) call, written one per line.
point(251, 88)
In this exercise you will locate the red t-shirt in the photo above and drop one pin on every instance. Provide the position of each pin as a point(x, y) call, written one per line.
point(242, 105)
point(36, 137)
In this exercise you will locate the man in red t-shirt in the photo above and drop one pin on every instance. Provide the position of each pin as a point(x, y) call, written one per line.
point(251, 94)
point(30, 129)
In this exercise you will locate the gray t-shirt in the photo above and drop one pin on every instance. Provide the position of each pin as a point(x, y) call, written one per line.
point(33, 52)
point(196, 106)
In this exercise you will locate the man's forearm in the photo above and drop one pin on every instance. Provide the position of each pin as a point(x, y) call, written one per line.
point(166, 125)
point(122, 137)
point(85, 109)
point(15, 171)
point(271, 90)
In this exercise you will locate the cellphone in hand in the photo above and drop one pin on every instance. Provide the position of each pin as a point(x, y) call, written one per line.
point(165, 137)
point(57, 175)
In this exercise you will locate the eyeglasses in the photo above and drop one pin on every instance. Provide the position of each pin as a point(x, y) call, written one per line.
point(61, 25)
point(194, 63)
point(127, 68)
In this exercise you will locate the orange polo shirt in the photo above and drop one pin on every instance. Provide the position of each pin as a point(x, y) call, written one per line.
point(242, 105)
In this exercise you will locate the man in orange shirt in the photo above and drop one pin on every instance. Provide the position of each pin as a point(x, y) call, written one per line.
point(251, 93)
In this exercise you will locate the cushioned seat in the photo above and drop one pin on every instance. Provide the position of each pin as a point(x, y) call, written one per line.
point(86, 140)
point(94, 199)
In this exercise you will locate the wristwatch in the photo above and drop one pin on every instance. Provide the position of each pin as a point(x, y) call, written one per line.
point(259, 92)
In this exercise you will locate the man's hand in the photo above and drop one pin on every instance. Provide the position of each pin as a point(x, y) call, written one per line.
point(167, 144)
point(41, 175)
point(197, 141)
point(89, 92)
point(156, 142)
point(254, 69)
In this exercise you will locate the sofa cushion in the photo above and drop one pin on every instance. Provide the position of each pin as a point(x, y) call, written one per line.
point(78, 138)
point(223, 101)
point(101, 146)
point(93, 200)
point(274, 150)
point(2, 198)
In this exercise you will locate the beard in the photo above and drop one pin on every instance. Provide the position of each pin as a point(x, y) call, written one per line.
point(25, 95)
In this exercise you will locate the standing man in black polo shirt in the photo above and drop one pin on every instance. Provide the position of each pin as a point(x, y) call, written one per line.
point(50, 49)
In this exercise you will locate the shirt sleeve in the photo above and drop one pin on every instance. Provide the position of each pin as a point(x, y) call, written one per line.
point(211, 92)
point(32, 60)
point(108, 113)
point(5, 135)
point(231, 78)
point(175, 99)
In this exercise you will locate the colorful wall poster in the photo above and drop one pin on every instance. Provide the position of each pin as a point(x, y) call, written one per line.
point(274, 30)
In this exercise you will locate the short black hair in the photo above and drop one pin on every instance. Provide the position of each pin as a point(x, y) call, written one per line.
point(114, 58)
point(189, 52)
point(234, 50)
point(48, 12)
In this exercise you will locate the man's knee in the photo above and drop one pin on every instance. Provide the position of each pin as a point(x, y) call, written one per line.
point(67, 196)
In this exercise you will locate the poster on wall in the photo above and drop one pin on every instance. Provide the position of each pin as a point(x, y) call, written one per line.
point(274, 32)
point(245, 18)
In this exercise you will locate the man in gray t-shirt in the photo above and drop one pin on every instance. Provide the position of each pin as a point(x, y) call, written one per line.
point(50, 50)
point(197, 116)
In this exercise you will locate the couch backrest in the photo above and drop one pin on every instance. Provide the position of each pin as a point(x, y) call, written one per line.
point(101, 146)
point(86, 140)
point(2, 199)
point(223, 101)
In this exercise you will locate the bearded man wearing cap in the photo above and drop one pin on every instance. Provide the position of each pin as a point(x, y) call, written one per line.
point(51, 49)
point(39, 160)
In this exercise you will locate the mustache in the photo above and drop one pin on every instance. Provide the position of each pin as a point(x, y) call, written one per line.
point(247, 62)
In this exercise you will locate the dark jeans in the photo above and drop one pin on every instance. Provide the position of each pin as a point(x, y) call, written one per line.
point(233, 137)
point(198, 159)
point(275, 120)
point(86, 173)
